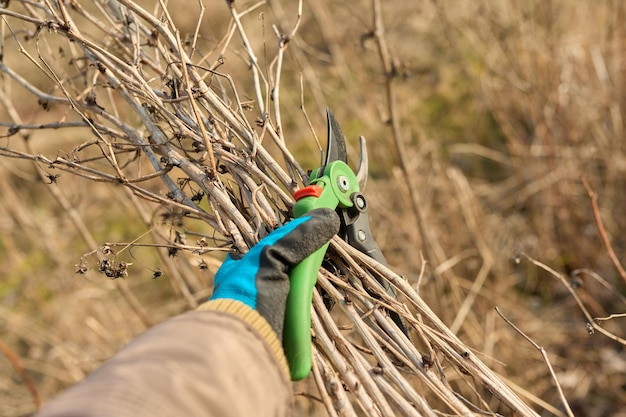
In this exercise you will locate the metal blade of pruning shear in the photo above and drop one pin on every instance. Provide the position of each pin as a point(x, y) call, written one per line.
point(361, 174)
point(336, 149)
point(336, 145)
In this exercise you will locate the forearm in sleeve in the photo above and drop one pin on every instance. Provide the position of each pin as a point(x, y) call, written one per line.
point(201, 363)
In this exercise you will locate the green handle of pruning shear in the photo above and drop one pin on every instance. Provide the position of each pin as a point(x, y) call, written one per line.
point(338, 183)
point(297, 332)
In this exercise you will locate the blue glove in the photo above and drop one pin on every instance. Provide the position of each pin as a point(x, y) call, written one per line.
point(260, 279)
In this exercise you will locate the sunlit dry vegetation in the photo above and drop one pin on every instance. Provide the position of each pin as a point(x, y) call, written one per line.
point(497, 189)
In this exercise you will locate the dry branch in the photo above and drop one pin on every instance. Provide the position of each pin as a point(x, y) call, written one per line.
point(166, 125)
point(17, 365)
point(605, 239)
point(545, 358)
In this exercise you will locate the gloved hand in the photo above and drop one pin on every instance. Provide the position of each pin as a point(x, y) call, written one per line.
point(260, 279)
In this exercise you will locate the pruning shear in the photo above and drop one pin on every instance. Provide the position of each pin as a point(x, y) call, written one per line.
point(332, 185)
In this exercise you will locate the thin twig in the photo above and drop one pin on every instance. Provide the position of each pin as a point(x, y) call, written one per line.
point(590, 321)
point(433, 254)
point(611, 317)
point(605, 239)
point(17, 365)
point(545, 358)
point(194, 106)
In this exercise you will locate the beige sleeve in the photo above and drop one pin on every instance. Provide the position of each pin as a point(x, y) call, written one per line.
point(201, 363)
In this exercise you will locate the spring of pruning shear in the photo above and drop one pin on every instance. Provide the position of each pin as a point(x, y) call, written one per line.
point(332, 185)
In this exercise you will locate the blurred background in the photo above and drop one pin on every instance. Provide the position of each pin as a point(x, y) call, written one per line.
point(481, 126)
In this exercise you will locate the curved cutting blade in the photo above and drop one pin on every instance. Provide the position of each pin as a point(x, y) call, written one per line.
point(361, 174)
point(336, 146)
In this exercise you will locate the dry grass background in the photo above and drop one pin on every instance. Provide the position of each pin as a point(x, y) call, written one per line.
point(502, 107)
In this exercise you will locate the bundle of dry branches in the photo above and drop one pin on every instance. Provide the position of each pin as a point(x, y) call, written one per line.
point(154, 110)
